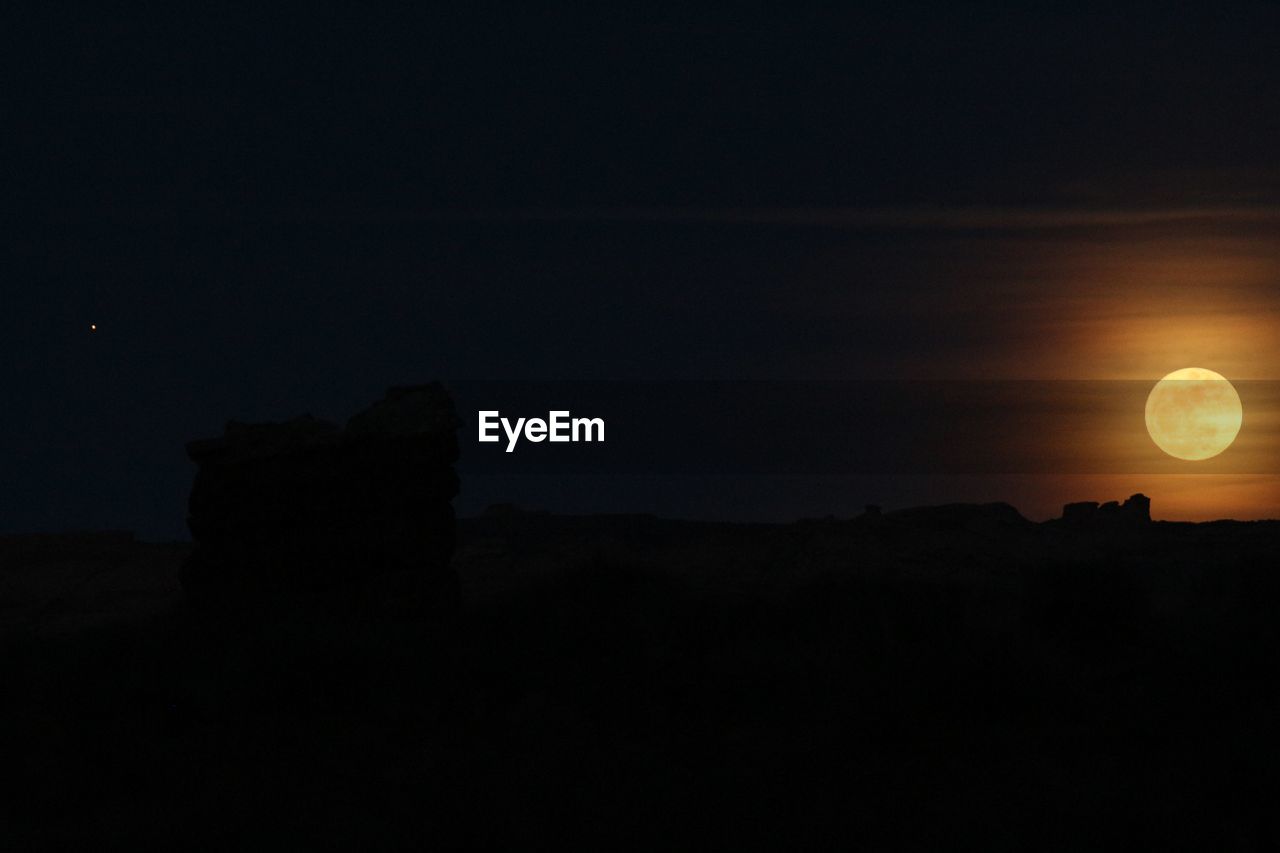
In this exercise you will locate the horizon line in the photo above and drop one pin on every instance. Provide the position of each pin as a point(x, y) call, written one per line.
point(982, 216)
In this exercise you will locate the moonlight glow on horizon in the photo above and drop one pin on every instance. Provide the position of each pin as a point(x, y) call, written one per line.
point(1193, 413)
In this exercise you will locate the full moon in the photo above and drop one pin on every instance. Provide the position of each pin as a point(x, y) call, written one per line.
point(1193, 413)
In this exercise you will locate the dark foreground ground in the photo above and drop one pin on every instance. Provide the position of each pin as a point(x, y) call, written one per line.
point(944, 679)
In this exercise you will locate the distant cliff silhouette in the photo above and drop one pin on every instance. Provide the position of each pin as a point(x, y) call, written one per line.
point(1135, 511)
point(305, 511)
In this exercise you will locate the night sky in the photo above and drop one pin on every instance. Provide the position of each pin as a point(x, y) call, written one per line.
point(289, 211)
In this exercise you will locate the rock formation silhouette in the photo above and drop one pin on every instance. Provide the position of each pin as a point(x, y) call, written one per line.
point(1136, 510)
point(303, 510)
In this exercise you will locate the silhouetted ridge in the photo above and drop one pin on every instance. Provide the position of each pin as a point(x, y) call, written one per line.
point(299, 508)
point(959, 516)
point(1136, 510)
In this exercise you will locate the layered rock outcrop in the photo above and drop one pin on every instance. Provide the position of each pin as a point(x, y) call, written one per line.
point(304, 510)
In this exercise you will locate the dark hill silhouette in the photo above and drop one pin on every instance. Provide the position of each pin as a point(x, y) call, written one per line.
point(989, 516)
point(922, 679)
point(287, 513)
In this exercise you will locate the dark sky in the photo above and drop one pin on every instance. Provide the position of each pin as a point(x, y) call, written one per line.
point(286, 211)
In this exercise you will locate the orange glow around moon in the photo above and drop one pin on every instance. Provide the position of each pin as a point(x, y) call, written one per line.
point(1193, 414)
